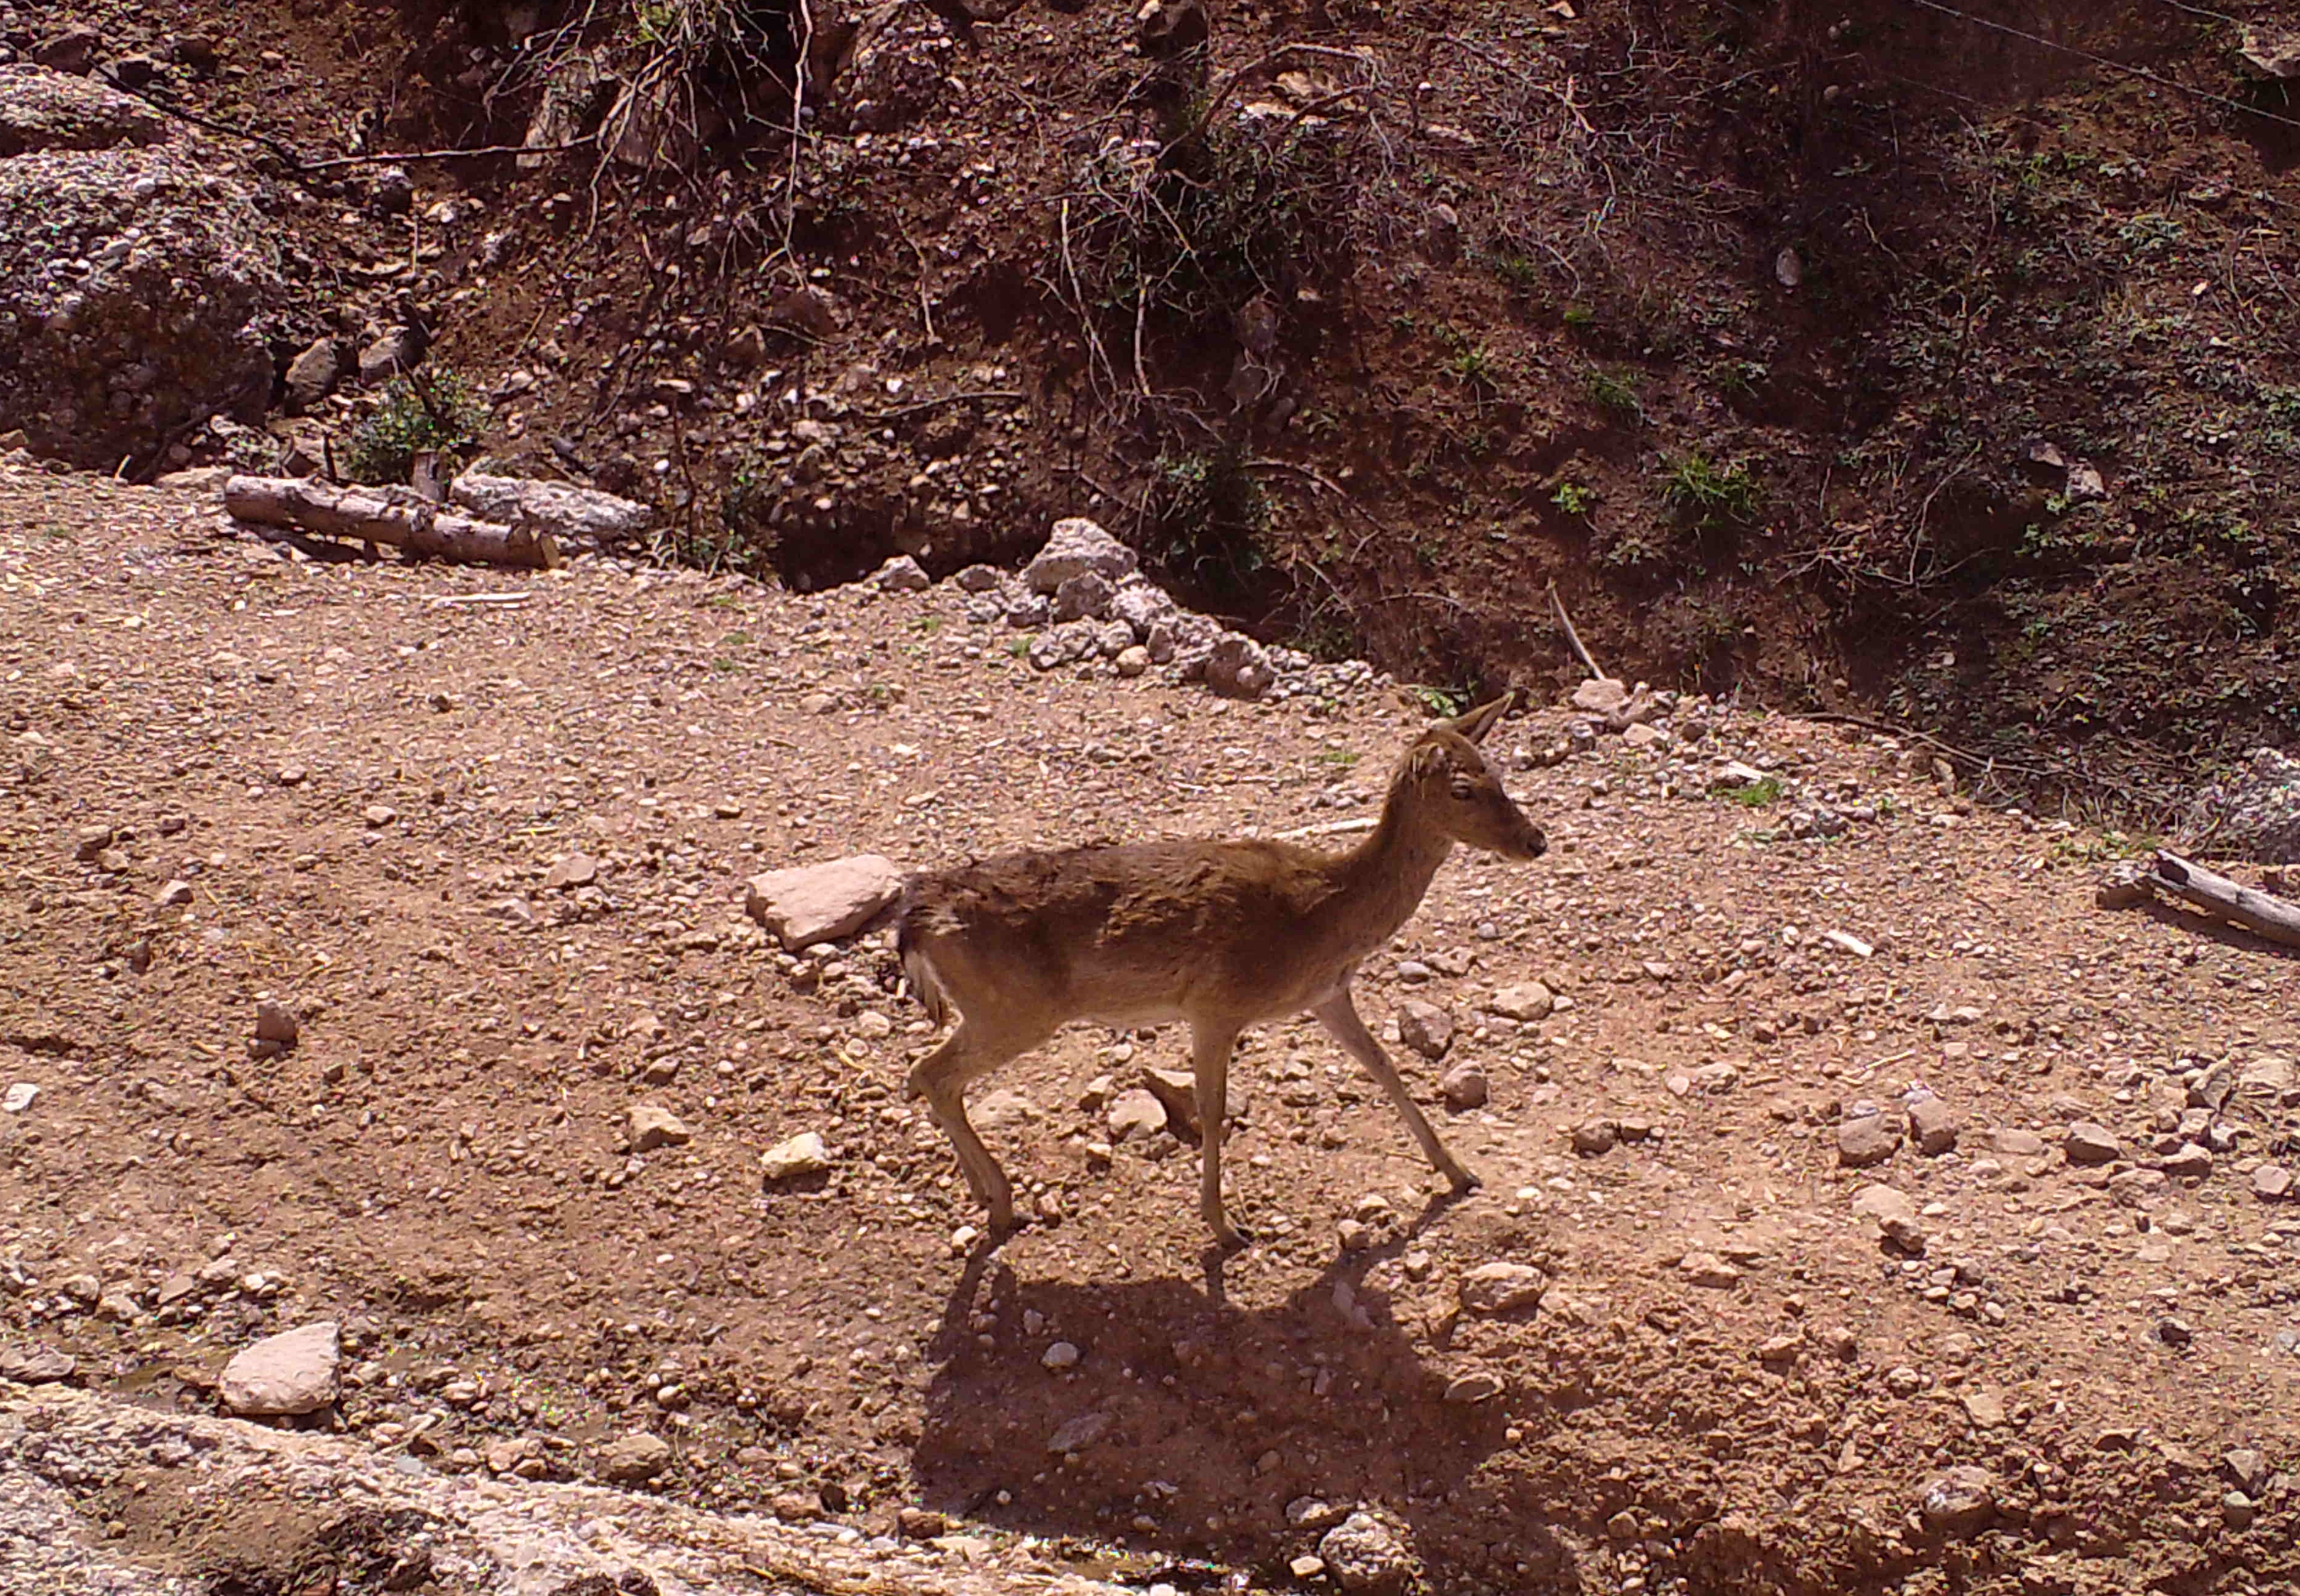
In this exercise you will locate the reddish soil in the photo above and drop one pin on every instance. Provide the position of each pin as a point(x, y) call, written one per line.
point(366, 782)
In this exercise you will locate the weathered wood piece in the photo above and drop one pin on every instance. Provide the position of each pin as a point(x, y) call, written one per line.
point(2262, 913)
point(372, 515)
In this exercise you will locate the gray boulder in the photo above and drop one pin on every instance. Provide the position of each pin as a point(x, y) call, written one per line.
point(572, 515)
point(2253, 813)
point(134, 282)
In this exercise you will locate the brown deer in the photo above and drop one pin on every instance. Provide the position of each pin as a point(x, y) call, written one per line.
point(1219, 935)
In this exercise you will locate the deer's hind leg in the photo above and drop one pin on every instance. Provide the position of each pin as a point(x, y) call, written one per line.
point(1210, 1045)
point(969, 1053)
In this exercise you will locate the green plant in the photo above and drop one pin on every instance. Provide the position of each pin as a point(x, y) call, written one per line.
point(1580, 315)
point(745, 539)
point(1211, 517)
point(1756, 794)
point(1573, 498)
point(1471, 363)
point(1612, 393)
point(1440, 702)
point(1342, 757)
point(423, 410)
point(1712, 494)
point(1522, 272)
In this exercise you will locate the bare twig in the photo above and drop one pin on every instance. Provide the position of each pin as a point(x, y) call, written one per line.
point(1572, 638)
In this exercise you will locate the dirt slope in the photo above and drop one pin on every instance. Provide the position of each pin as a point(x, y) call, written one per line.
point(375, 785)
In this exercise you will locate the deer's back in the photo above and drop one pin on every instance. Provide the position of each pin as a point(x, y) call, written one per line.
point(1142, 933)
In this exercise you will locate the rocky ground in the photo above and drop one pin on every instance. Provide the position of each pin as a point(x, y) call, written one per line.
point(1864, 1208)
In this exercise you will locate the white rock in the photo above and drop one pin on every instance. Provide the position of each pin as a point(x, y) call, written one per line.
point(823, 902)
point(1529, 1001)
point(653, 1128)
point(570, 514)
point(1077, 545)
point(291, 1373)
point(19, 1097)
point(901, 574)
point(802, 1154)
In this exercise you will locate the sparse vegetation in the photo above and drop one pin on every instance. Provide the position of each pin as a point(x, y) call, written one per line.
point(433, 410)
point(1612, 393)
point(1755, 795)
point(1210, 518)
point(1574, 498)
point(1709, 494)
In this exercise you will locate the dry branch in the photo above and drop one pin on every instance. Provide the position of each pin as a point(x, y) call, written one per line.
point(1572, 638)
point(370, 515)
point(2262, 913)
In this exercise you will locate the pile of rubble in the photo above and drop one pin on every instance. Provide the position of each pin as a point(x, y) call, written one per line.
point(1087, 607)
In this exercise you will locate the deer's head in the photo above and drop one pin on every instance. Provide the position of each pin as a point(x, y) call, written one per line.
point(1455, 790)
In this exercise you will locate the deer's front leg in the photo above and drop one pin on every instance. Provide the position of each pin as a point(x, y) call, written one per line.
point(1340, 1017)
point(1209, 1052)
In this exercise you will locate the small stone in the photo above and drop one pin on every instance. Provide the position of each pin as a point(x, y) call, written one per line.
point(379, 814)
point(1525, 1002)
point(1239, 668)
point(634, 1460)
point(176, 894)
point(1707, 1269)
point(1061, 1355)
point(1502, 1287)
point(276, 1023)
point(1602, 695)
point(1780, 1349)
point(2175, 1331)
point(800, 1156)
point(1594, 1138)
point(90, 841)
point(1135, 1114)
point(2271, 1183)
point(2018, 1143)
point(823, 903)
point(1985, 1409)
point(795, 1506)
point(653, 1128)
point(1464, 1087)
point(573, 870)
point(1133, 660)
point(291, 1373)
point(1176, 1091)
point(1959, 1501)
point(1306, 1568)
point(2089, 1144)
point(19, 1097)
point(1638, 735)
point(1362, 1553)
point(1084, 596)
point(920, 1524)
point(2247, 1468)
point(901, 574)
point(2189, 1161)
point(1077, 1434)
point(2237, 1510)
point(37, 1365)
point(1479, 1385)
point(1934, 1126)
point(1313, 1514)
point(1425, 1027)
point(1866, 1140)
point(1894, 1215)
point(1903, 1381)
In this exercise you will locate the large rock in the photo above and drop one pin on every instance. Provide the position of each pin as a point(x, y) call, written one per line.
point(1362, 1553)
point(1425, 1027)
point(162, 326)
point(50, 111)
point(291, 1373)
point(2253, 813)
point(1893, 1214)
point(823, 902)
point(577, 515)
point(1077, 545)
point(633, 1458)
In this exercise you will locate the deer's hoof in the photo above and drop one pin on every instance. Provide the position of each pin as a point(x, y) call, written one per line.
point(1463, 1182)
point(1229, 1238)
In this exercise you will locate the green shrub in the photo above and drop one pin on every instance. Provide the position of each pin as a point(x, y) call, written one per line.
point(422, 411)
point(1712, 494)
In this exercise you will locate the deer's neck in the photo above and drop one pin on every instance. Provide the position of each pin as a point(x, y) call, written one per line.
point(1384, 880)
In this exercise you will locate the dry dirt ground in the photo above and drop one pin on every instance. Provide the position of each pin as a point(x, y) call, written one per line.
point(486, 835)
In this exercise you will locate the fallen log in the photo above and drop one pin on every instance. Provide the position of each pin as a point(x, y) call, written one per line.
point(2262, 913)
point(378, 515)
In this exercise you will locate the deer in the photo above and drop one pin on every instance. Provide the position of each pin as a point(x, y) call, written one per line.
point(1219, 935)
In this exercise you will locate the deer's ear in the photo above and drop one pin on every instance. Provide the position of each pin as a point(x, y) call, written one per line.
point(1477, 723)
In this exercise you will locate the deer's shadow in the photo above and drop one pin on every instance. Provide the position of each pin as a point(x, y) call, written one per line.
point(1190, 1427)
